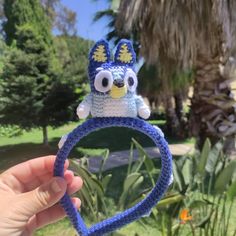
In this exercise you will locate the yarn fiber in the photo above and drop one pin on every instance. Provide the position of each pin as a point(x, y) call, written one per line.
point(113, 84)
point(141, 209)
point(113, 102)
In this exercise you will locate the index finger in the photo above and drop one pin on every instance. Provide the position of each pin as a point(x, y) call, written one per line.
point(33, 168)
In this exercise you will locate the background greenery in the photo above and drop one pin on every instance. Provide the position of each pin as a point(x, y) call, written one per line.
point(43, 77)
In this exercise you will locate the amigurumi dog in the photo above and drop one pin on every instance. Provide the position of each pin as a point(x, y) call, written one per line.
point(113, 84)
point(113, 102)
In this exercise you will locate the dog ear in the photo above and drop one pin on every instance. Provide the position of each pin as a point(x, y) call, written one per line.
point(125, 53)
point(99, 54)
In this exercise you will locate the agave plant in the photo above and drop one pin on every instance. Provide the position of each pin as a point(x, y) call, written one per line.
point(208, 183)
point(199, 202)
point(92, 194)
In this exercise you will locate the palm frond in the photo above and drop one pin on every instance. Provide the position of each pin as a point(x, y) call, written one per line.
point(178, 29)
point(105, 13)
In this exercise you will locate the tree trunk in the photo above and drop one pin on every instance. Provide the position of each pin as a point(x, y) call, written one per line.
point(212, 105)
point(179, 110)
point(172, 122)
point(179, 106)
point(45, 136)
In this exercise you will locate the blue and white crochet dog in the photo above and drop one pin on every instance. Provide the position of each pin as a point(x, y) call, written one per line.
point(113, 84)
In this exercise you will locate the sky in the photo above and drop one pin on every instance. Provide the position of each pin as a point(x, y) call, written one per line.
point(86, 10)
point(86, 28)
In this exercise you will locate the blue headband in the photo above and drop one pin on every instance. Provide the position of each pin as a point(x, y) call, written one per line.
point(120, 107)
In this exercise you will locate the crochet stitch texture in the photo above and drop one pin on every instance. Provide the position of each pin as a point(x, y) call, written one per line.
point(113, 103)
point(113, 84)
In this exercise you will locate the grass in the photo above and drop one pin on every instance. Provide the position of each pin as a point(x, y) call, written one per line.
point(29, 145)
point(63, 228)
point(35, 135)
point(17, 149)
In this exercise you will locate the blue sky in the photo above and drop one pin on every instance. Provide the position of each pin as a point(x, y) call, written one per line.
point(86, 28)
point(85, 10)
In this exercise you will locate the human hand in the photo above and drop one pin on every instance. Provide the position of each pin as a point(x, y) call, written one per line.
point(29, 193)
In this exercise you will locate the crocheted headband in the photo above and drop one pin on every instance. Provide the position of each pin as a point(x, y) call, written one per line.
point(113, 103)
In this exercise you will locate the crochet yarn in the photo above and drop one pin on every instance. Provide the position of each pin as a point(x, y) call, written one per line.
point(113, 84)
point(144, 207)
point(113, 102)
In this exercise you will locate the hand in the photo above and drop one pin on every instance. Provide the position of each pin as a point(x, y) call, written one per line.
point(29, 193)
point(83, 111)
point(144, 112)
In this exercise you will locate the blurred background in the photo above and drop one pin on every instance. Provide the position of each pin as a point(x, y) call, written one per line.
point(186, 69)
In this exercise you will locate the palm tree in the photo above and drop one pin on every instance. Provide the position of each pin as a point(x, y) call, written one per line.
point(111, 14)
point(151, 86)
point(170, 93)
point(177, 35)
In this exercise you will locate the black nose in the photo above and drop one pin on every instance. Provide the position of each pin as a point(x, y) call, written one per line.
point(119, 83)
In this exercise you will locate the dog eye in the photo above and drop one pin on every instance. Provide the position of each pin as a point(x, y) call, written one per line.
point(103, 81)
point(131, 80)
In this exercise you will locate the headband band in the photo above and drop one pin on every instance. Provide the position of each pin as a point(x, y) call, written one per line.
point(140, 209)
point(113, 102)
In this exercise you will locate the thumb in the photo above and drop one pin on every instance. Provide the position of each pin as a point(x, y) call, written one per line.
point(42, 197)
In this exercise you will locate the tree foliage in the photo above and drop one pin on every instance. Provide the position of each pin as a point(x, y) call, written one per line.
point(33, 91)
point(63, 19)
point(3, 48)
point(23, 12)
point(33, 95)
point(72, 52)
point(173, 31)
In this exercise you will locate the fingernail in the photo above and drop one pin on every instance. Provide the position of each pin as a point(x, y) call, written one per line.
point(55, 186)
